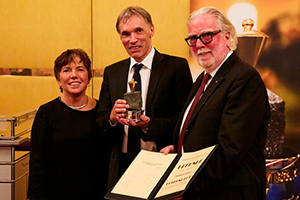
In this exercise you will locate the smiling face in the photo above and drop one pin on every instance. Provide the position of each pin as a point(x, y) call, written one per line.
point(210, 55)
point(136, 34)
point(73, 78)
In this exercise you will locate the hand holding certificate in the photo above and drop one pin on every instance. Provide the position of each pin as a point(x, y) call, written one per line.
point(153, 175)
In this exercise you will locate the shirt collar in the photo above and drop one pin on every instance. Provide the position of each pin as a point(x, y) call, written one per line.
point(213, 73)
point(147, 62)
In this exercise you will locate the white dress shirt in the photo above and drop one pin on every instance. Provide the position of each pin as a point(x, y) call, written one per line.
point(145, 73)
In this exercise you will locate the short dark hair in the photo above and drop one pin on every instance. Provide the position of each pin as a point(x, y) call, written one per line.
point(133, 10)
point(68, 56)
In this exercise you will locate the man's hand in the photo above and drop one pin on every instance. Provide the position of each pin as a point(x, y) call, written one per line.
point(142, 124)
point(118, 110)
point(168, 149)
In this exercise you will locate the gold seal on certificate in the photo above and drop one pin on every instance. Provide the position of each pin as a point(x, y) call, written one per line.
point(134, 100)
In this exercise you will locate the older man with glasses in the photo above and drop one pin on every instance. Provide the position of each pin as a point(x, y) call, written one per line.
point(228, 105)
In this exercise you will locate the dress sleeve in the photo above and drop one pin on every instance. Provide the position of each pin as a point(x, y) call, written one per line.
point(38, 156)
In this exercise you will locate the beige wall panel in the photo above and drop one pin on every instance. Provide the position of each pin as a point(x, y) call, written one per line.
point(20, 94)
point(33, 33)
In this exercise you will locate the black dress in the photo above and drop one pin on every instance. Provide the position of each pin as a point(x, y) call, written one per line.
point(62, 157)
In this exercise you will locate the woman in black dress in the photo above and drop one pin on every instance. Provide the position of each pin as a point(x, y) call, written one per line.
point(63, 135)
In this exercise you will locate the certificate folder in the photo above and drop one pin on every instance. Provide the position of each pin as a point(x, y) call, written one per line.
point(156, 176)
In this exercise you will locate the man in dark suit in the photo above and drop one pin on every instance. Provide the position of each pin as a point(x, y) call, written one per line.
point(165, 84)
point(232, 112)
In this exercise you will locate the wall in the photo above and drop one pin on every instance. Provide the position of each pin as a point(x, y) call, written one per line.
point(33, 33)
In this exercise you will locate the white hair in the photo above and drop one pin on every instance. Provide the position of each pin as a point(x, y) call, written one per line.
point(223, 21)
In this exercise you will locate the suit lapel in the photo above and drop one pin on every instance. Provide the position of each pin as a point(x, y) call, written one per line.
point(191, 96)
point(122, 78)
point(215, 82)
point(156, 71)
point(207, 93)
point(194, 90)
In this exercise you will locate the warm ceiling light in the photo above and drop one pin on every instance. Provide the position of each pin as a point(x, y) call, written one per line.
point(241, 11)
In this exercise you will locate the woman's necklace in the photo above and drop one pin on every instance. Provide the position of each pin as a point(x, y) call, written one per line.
point(79, 107)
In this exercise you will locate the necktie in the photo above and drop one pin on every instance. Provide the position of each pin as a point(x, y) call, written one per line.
point(137, 76)
point(133, 143)
point(197, 97)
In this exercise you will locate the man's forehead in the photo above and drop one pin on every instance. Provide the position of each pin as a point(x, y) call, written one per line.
point(135, 18)
point(203, 24)
point(196, 33)
point(131, 28)
point(133, 22)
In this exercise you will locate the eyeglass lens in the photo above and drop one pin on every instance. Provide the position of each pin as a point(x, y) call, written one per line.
point(205, 38)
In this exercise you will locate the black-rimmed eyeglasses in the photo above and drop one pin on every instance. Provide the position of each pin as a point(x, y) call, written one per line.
point(205, 38)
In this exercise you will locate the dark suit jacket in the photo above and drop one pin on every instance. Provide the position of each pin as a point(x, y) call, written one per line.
point(233, 112)
point(169, 85)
